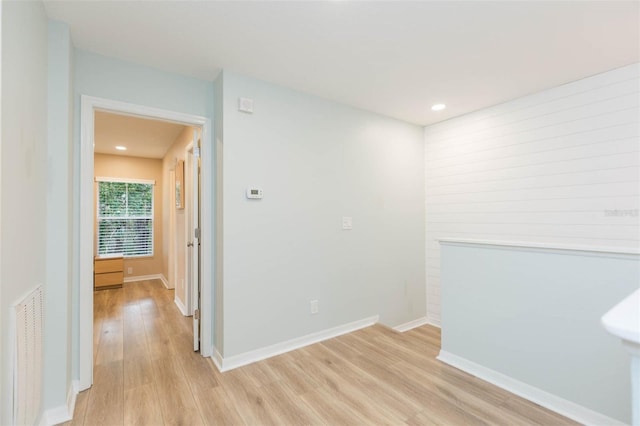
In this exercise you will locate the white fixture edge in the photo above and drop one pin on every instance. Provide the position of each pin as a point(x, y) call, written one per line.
point(545, 399)
point(623, 320)
point(235, 361)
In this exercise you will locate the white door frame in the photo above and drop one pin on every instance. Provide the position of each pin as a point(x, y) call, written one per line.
point(188, 207)
point(89, 105)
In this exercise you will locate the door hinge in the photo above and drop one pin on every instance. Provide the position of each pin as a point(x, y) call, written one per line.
point(196, 151)
point(196, 314)
point(196, 233)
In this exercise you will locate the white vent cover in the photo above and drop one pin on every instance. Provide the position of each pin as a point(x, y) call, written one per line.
point(27, 365)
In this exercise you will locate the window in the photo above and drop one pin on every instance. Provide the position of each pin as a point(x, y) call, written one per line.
point(125, 217)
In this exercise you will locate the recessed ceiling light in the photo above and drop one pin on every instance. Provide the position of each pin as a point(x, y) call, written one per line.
point(438, 107)
point(121, 148)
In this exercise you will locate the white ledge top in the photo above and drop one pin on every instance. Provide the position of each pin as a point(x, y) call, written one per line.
point(623, 320)
point(542, 246)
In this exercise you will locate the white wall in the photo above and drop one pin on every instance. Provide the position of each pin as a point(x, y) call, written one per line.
point(23, 181)
point(57, 363)
point(317, 161)
point(560, 166)
point(178, 280)
point(533, 315)
point(109, 78)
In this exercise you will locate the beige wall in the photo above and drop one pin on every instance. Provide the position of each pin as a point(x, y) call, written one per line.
point(139, 168)
point(176, 278)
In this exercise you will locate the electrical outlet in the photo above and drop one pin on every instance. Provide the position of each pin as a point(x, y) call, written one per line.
point(314, 306)
point(129, 270)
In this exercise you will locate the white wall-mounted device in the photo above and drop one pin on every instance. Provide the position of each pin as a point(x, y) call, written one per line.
point(254, 193)
point(245, 105)
point(347, 222)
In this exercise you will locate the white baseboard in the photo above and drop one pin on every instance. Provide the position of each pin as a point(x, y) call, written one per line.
point(62, 413)
point(180, 306)
point(411, 324)
point(217, 359)
point(165, 281)
point(434, 322)
point(148, 277)
point(235, 361)
point(548, 400)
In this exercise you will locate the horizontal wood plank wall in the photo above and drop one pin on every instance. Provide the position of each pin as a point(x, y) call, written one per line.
point(558, 167)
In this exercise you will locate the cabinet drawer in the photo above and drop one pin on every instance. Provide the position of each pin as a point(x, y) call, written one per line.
point(109, 279)
point(108, 265)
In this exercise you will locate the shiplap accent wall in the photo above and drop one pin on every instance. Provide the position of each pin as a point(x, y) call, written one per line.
point(556, 167)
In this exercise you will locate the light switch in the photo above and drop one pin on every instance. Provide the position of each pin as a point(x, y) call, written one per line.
point(347, 222)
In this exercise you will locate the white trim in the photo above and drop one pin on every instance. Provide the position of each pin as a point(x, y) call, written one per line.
point(616, 252)
point(164, 280)
point(62, 413)
point(434, 322)
point(146, 278)
point(180, 305)
point(217, 359)
point(411, 325)
point(548, 400)
point(125, 180)
point(239, 360)
point(187, 205)
point(89, 104)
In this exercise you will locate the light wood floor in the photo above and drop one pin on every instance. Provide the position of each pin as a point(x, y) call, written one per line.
point(147, 373)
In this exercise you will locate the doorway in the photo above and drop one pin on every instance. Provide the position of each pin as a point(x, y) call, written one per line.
point(89, 106)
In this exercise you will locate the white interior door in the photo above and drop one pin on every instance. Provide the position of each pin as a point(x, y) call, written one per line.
point(194, 238)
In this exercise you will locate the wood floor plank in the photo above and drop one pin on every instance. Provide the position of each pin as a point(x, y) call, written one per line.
point(138, 371)
point(174, 395)
point(534, 413)
point(358, 398)
point(201, 372)
point(141, 406)
point(330, 410)
point(286, 405)
point(146, 372)
point(111, 345)
point(106, 400)
point(134, 335)
point(379, 391)
point(80, 409)
point(244, 395)
point(285, 368)
point(217, 408)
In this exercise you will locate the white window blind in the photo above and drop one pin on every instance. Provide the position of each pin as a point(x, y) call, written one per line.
point(125, 217)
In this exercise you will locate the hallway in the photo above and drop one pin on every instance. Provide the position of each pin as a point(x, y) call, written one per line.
point(147, 373)
point(143, 353)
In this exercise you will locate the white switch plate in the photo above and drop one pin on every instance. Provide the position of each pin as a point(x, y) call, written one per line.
point(314, 306)
point(347, 222)
point(129, 270)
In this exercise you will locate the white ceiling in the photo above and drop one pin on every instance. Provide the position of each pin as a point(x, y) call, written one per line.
point(142, 137)
point(396, 58)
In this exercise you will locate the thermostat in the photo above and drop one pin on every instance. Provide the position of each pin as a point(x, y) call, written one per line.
point(254, 192)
